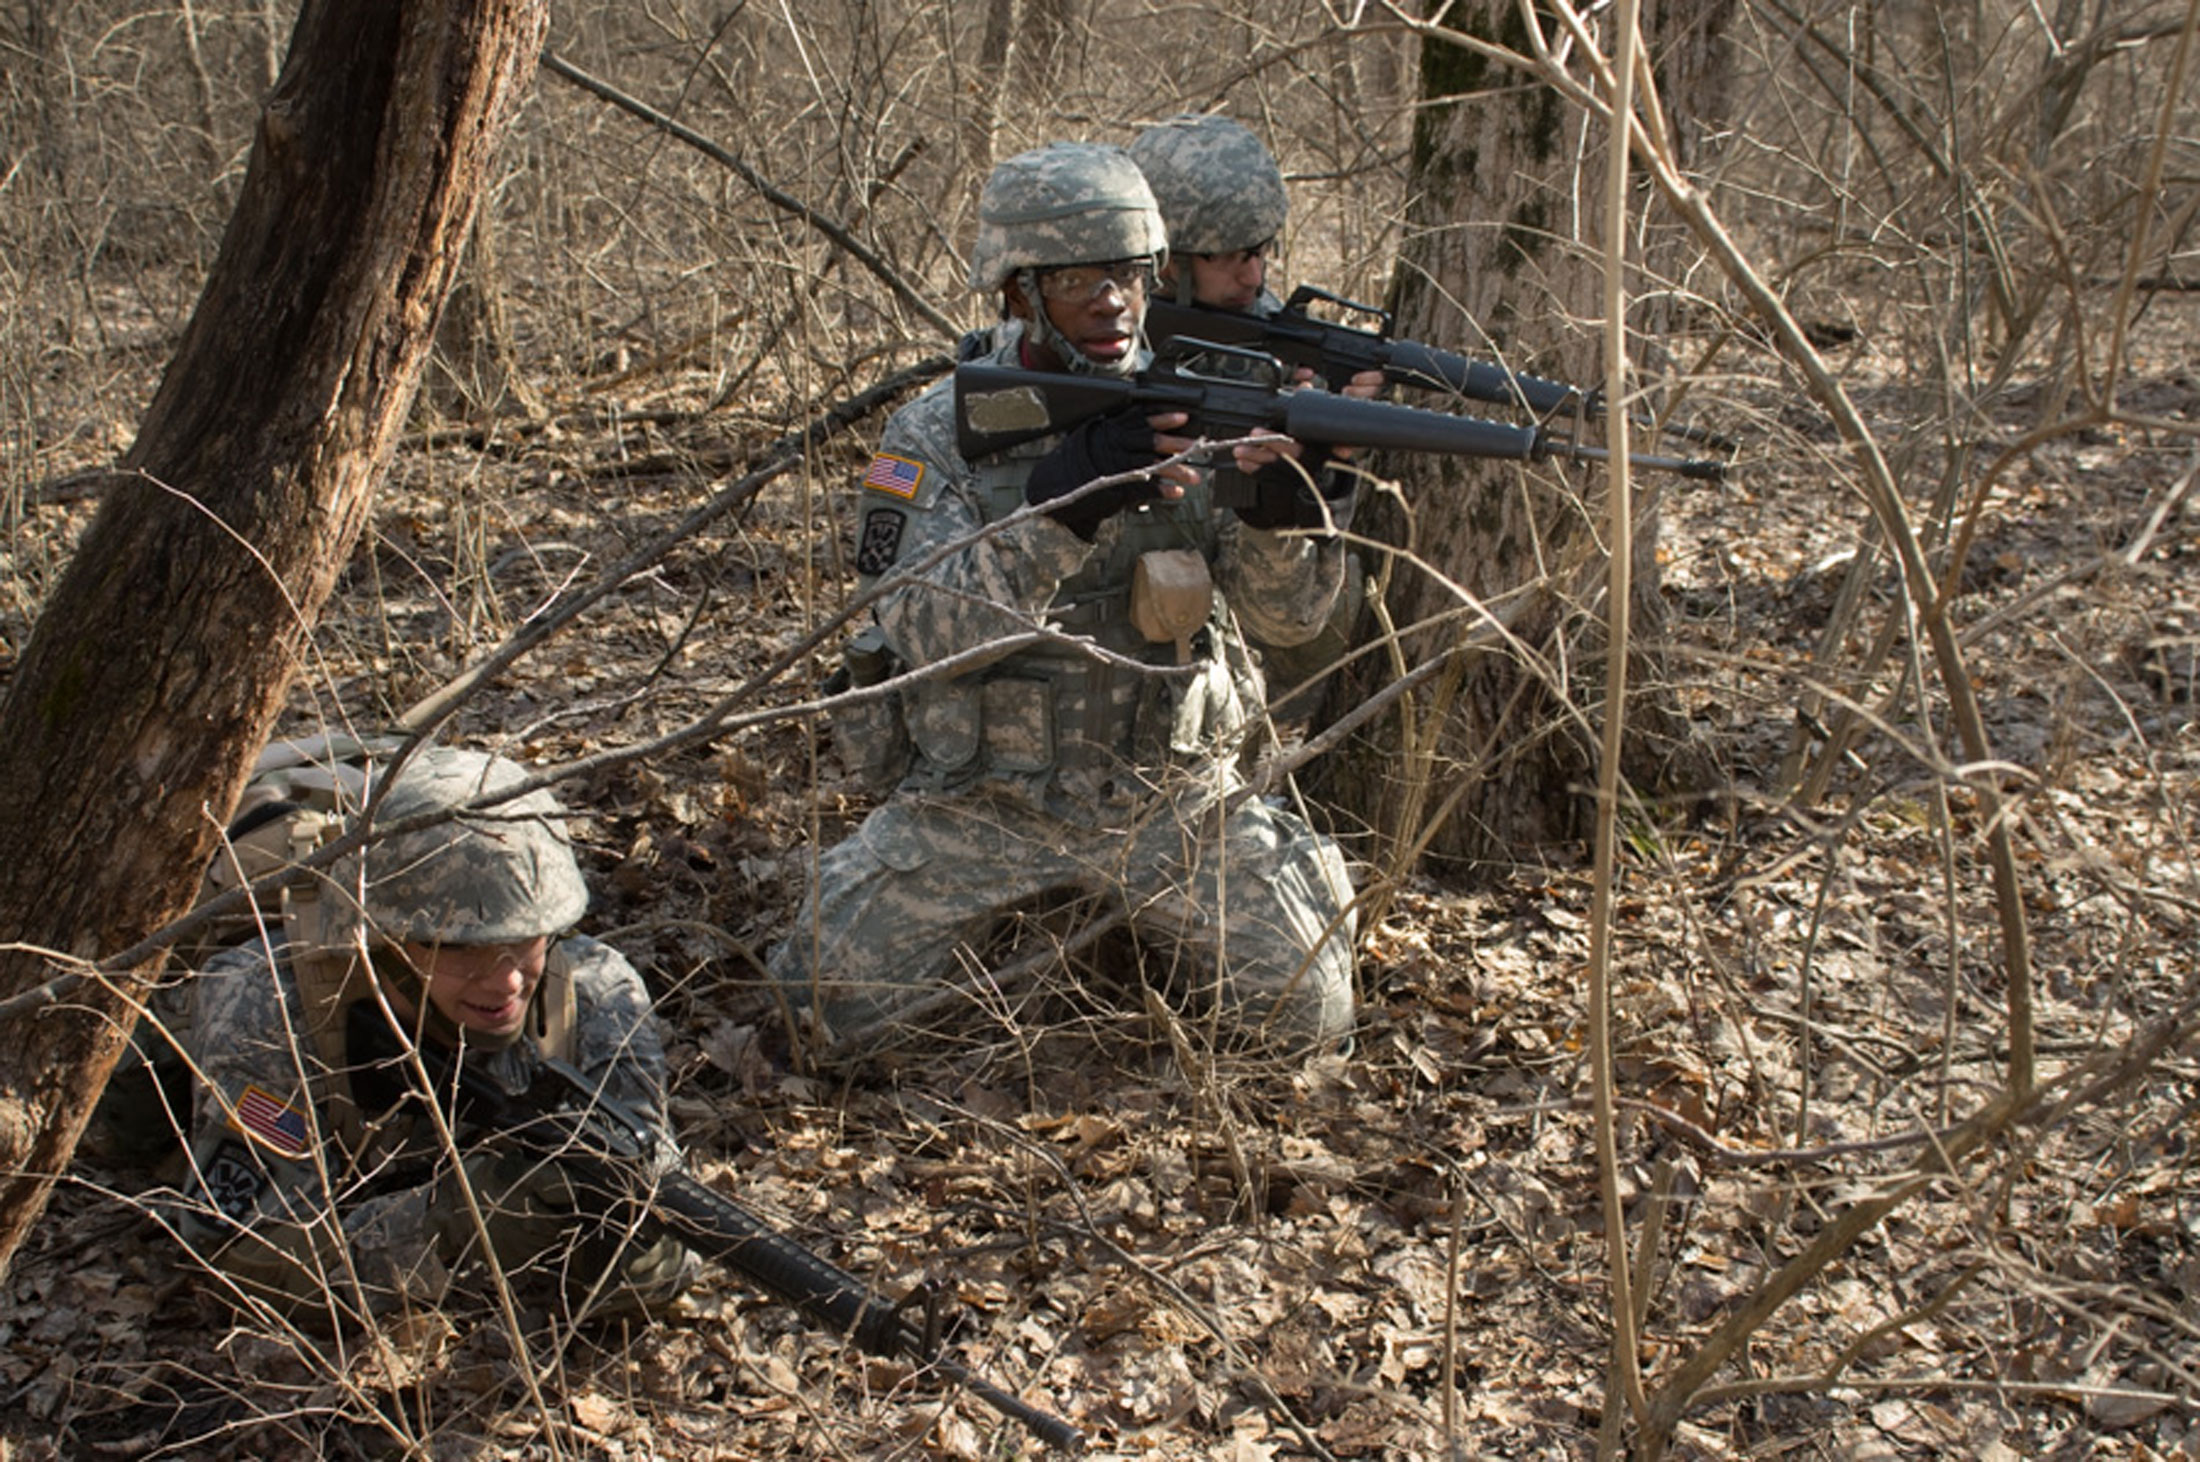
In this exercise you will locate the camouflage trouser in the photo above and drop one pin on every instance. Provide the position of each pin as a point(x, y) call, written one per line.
point(1255, 898)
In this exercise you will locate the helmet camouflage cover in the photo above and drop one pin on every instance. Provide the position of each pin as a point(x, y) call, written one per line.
point(1064, 203)
point(503, 875)
point(1218, 187)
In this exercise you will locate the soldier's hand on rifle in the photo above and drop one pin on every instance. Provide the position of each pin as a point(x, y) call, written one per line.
point(527, 1205)
point(1292, 491)
point(1270, 448)
point(1113, 445)
point(1366, 385)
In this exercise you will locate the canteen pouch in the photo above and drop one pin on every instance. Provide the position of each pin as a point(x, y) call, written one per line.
point(872, 736)
point(1172, 594)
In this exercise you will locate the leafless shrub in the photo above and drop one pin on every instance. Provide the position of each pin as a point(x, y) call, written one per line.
point(1971, 202)
point(1976, 224)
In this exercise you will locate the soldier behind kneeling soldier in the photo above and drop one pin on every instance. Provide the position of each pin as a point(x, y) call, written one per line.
point(1223, 201)
point(317, 1175)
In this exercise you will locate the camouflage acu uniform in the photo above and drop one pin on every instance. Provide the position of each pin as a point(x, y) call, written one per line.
point(1044, 770)
point(283, 1208)
point(317, 1179)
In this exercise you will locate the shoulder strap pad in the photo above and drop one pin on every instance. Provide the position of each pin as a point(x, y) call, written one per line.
point(553, 1020)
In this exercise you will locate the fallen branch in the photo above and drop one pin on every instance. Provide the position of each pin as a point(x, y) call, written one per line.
point(777, 458)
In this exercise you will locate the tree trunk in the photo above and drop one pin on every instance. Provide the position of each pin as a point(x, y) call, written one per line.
point(1494, 758)
point(1047, 27)
point(158, 667)
point(53, 122)
point(996, 45)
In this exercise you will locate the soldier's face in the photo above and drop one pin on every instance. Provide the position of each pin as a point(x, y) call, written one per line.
point(1231, 281)
point(482, 987)
point(1097, 307)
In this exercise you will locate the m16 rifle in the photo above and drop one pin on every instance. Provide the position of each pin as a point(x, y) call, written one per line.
point(606, 1150)
point(1336, 353)
point(1229, 393)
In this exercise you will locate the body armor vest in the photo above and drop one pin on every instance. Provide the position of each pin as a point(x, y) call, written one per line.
point(1043, 710)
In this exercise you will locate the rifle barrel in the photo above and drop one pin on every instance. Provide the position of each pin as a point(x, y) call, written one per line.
point(830, 1295)
point(1700, 469)
point(1410, 363)
point(1336, 351)
point(786, 1270)
point(1329, 418)
point(998, 407)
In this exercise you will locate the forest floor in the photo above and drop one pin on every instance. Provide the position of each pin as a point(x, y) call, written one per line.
point(1394, 1253)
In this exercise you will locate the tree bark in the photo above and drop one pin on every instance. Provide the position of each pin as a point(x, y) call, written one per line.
point(1047, 26)
point(53, 155)
point(157, 669)
point(1495, 758)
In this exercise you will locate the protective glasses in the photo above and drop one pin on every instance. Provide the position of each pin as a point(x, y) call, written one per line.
point(1081, 283)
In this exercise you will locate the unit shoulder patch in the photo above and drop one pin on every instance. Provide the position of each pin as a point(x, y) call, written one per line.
point(233, 1181)
point(880, 542)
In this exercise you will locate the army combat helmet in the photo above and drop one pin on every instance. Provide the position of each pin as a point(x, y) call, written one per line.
point(1061, 204)
point(1218, 187)
point(503, 875)
point(1064, 203)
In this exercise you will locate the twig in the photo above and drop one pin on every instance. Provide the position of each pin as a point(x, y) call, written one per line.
point(787, 202)
point(2082, 1086)
point(1848, 1353)
point(1755, 1157)
point(1626, 1353)
point(777, 458)
point(1177, 1295)
point(1893, 516)
point(778, 329)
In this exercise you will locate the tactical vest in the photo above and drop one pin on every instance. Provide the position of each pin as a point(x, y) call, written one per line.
point(1044, 711)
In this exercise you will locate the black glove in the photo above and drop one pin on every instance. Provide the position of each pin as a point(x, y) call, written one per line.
point(1105, 446)
point(1281, 498)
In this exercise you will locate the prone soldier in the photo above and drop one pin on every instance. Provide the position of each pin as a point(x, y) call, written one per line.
point(319, 1175)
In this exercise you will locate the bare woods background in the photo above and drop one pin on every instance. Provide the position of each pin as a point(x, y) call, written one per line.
point(1829, 1092)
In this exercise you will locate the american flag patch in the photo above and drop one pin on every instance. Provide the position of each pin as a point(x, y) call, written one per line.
point(279, 1126)
point(897, 475)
